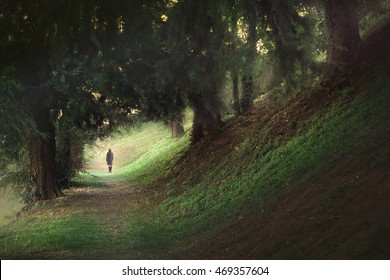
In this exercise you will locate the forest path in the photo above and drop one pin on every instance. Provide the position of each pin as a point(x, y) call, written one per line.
point(111, 205)
point(108, 204)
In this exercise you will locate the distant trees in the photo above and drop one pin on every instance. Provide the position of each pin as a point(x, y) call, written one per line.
point(195, 46)
point(208, 39)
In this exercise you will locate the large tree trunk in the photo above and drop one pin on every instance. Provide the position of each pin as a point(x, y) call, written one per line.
point(177, 127)
point(42, 150)
point(207, 117)
point(343, 29)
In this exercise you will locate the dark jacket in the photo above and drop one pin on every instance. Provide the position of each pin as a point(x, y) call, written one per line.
point(109, 158)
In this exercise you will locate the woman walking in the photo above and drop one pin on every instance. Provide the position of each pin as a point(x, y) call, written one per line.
point(109, 159)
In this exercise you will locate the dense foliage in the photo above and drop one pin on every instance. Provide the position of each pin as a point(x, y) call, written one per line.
point(70, 71)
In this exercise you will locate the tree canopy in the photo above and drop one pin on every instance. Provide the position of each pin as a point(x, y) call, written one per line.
point(71, 68)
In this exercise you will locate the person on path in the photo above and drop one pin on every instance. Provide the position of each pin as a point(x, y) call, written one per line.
point(109, 159)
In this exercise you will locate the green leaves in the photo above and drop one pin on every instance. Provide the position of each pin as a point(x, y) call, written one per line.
point(14, 122)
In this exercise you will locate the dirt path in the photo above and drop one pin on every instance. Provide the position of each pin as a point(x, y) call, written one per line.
point(111, 206)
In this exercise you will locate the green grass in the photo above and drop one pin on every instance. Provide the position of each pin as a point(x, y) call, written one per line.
point(220, 195)
point(129, 144)
point(154, 163)
point(51, 233)
point(142, 155)
point(9, 205)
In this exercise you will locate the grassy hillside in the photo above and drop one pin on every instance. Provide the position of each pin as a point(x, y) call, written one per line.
point(141, 154)
point(298, 177)
point(327, 175)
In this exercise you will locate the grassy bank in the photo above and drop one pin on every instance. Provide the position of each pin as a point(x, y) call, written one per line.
point(221, 194)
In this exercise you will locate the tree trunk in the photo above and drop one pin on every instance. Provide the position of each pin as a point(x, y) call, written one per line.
point(236, 95)
point(343, 29)
point(76, 156)
point(197, 126)
point(212, 125)
point(247, 98)
point(42, 150)
point(177, 127)
point(64, 161)
point(69, 159)
point(207, 117)
point(248, 89)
